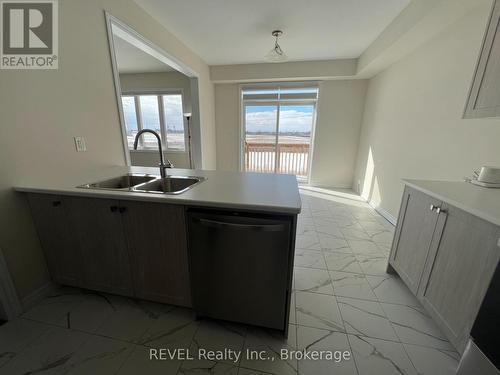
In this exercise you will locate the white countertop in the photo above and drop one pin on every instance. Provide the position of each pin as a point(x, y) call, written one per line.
point(477, 200)
point(248, 191)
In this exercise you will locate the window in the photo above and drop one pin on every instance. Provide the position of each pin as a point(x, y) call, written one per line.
point(162, 113)
point(278, 122)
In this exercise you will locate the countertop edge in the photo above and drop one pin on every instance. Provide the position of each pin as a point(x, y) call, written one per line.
point(473, 211)
point(148, 197)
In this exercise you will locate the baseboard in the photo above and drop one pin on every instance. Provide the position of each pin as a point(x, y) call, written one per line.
point(386, 215)
point(37, 295)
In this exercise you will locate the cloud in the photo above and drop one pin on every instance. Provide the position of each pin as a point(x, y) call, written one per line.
point(290, 121)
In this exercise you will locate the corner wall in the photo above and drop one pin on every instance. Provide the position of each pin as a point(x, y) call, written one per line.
point(413, 126)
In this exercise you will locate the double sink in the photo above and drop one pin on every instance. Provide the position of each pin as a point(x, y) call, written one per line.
point(145, 183)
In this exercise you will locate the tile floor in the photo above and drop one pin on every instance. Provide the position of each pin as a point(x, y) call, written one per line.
point(343, 300)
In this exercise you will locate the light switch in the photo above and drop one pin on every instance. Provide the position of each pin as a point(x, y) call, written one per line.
point(80, 144)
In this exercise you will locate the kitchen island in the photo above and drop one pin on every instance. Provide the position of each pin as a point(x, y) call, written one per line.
point(225, 246)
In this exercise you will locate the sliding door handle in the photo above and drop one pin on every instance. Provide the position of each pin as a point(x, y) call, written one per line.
point(250, 227)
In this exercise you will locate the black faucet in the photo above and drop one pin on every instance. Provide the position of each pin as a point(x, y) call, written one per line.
point(162, 164)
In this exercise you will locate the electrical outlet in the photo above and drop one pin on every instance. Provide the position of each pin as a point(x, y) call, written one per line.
point(80, 144)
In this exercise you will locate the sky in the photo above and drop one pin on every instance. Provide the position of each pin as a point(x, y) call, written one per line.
point(150, 115)
point(293, 118)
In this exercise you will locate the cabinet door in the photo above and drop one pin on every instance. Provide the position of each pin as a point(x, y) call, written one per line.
point(484, 97)
point(98, 230)
point(156, 239)
point(416, 224)
point(56, 237)
point(462, 260)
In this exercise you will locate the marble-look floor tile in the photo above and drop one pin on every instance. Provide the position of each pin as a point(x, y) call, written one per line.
point(430, 361)
point(174, 329)
point(91, 312)
point(131, 319)
point(329, 231)
point(338, 245)
point(305, 230)
point(292, 318)
point(319, 311)
point(372, 225)
point(364, 247)
point(48, 354)
point(414, 326)
point(98, 356)
point(219, 335)
point(271, 343)
point(375, 356)
point(323, 340)
point(56, 308)
point(342, 262)
point(247, 371)
point(381, 236)
point(351, 285)
point(139, 362)
point(196, 367)
point(312, 280)
point(307, 242)
point(16, 335)
point(365, 318)
point(355, 234)
point(392, 290)
point(309, 258)
point(373, 264)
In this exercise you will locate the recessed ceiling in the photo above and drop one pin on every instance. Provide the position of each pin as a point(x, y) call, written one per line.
point(237, 31)
point(131, 59)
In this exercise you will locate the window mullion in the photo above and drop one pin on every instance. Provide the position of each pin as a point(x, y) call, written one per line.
point(163, 123)
point(138, 116)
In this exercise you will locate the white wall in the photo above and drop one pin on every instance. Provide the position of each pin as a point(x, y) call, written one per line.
point(338, 126)
point(138, 82)
point(413, 124)
point(40, 112)
point(227, 122)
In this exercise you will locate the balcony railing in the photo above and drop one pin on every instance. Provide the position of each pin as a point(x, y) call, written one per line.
point(293, 158)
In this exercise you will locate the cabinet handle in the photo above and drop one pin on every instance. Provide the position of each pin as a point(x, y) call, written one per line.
point(432, 207)
point(56, 203)
point(439, 210)
point(113, 208)
point(122, 209)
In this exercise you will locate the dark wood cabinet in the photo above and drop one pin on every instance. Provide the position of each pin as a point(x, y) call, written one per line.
point(129, 248)
point(62, 252)
point(98, 230)
point(156, 239)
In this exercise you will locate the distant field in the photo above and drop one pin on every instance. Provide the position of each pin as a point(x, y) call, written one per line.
point(265, 138)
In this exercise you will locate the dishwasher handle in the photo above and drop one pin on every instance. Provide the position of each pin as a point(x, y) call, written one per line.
point(250, 227)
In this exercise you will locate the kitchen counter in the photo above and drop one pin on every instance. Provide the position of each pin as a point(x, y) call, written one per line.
point(476, 200)
point(235, 190)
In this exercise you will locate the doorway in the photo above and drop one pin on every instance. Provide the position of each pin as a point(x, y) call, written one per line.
point(278, 127)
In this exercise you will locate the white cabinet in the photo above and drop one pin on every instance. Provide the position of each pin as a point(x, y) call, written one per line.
point(484, 96)
point(446, 257)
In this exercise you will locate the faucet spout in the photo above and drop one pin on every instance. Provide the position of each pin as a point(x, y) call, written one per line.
point(162, 164)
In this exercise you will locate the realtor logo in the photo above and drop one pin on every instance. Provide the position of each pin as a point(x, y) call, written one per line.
point(29, 34)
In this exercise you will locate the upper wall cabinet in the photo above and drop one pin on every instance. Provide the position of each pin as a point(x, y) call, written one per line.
point(484, 96)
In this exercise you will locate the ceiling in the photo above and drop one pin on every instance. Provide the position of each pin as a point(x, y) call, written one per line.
point(131, 59)
point(238, 31)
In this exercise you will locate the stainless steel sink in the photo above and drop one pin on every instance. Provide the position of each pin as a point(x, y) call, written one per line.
point(143, 183)
point(125, 182)
point(169, 185)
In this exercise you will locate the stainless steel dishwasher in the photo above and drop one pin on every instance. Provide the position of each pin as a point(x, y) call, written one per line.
point(240, 266)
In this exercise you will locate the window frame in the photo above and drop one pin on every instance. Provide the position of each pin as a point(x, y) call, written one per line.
point(163, 125)
point(278, 102)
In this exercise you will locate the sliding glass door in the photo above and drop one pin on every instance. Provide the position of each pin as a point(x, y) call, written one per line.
point(278, 126)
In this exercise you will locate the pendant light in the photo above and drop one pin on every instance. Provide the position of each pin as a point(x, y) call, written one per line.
point(276, 54)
